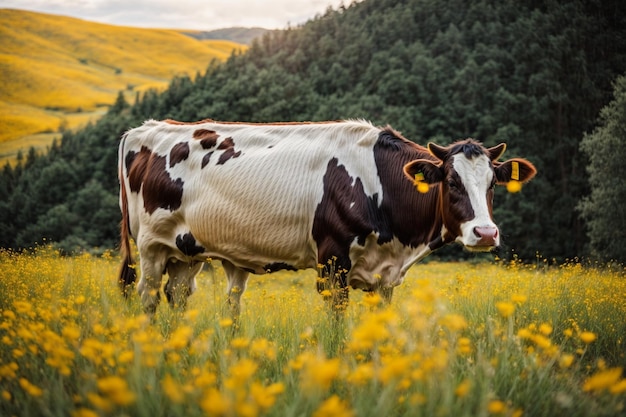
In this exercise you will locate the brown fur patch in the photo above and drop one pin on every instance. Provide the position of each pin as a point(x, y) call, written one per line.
point(159, 190)
point(228, 145)
point(179, 153)
point(207, 138)
point(341, 216)
point(414, 218)
point(136, 165)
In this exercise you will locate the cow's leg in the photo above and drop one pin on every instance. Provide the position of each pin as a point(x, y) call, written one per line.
point(182, 281)
point(237, 281)
point(149, 286)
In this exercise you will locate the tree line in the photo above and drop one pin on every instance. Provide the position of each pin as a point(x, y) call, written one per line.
point(533, 74)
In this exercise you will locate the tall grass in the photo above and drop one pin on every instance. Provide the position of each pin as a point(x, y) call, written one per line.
point(458, 340)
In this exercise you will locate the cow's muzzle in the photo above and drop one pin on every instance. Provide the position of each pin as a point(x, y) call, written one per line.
point(487, 237)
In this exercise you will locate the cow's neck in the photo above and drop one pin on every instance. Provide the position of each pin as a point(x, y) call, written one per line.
point(437, 238)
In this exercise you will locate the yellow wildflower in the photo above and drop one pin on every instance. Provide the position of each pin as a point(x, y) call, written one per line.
point(116, 389)
point(334, 407)
point(394, 367)
point(84, 412)
point(505, 308)
point(246, 409)
point(191, 315)
point(126, 356)
point(524, 333)
point(618, 388)
point(214, 403)
point(496, 407)
point(9, 314)
point(372, 299)
point(603, 380)
point(518, 299)
point(262, 348)
point(542, 341)
point(318, 373)
point(463, 388)
point(464, 345)
point(226, 322)
point(545, 329)
point(362, 374)
point(71, 332)
point(566, 360)
point(240, 373)
point(240, 343)
point(180, 338)
point(172, 390)
point(100, 402)
point(31, 389)
point(454, 322)
point(265, 397)
point(587, 337)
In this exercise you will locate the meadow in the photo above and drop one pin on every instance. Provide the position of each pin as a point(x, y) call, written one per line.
point(460, 339)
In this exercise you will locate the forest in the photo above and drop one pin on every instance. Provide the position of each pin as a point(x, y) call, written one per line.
point(545, 76)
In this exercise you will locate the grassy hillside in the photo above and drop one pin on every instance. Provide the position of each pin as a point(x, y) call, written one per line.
point(59, 70)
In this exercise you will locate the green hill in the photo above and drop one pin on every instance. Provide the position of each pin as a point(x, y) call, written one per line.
point(59, 71)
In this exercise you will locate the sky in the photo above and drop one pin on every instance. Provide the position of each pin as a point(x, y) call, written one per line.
point(184, 14)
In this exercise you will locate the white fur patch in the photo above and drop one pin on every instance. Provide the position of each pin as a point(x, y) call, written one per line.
point(477, 176)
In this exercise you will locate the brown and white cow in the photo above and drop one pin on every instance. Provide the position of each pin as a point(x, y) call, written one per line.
point(265, 197)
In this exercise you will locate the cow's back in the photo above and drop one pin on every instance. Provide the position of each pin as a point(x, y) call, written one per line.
point(243, 192)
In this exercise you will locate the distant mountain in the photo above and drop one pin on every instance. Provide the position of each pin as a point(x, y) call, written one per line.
point(236, 34)
point(60, 72)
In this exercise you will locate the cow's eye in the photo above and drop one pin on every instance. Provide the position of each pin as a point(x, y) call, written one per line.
point(452, 184)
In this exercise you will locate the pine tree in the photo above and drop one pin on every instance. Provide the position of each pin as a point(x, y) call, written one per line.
point(604, 207)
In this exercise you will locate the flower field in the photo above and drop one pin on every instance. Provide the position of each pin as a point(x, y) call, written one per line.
point(460, 339)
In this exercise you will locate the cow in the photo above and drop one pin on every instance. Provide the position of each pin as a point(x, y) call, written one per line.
point(289, 196)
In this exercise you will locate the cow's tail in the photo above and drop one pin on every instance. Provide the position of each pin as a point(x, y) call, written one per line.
point(128, 274)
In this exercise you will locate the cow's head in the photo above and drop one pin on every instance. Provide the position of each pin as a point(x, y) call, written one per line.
point(467, 173)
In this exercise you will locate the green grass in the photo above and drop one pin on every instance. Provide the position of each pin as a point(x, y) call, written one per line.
point(458, 340)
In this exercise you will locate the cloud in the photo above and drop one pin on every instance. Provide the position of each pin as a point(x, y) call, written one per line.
point(183, 14)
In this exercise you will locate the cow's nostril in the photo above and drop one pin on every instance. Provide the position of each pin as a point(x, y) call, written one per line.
point(488, 232)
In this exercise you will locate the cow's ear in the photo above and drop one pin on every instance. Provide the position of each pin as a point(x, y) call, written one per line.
point(496, 152)
point(516, 169)
point(423, 170)
point(439, 152)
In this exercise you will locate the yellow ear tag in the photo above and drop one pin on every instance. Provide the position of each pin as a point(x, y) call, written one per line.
point(515, 171)
point(514, 186)
point(419, 183)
